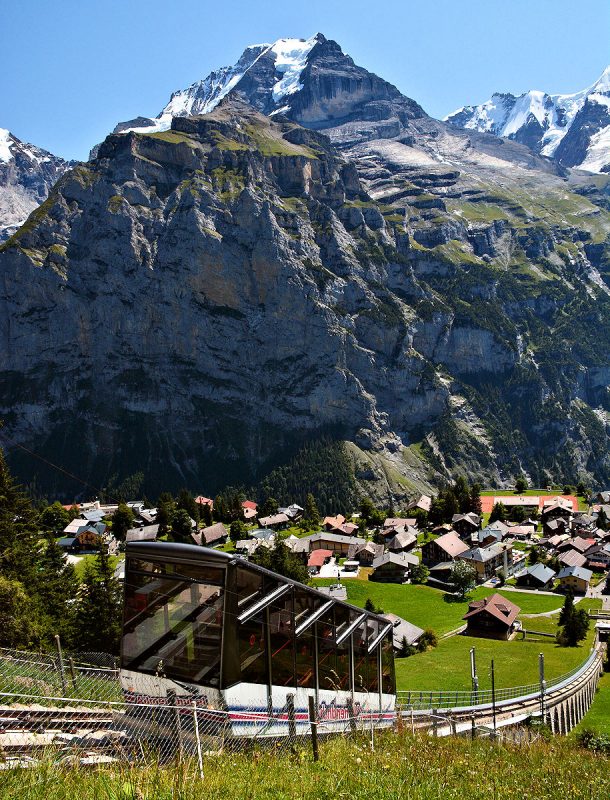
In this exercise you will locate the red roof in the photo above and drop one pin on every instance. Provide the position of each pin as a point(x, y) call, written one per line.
point(318, 557)
point(496, 605)
point(249, 504)
point(204, 501)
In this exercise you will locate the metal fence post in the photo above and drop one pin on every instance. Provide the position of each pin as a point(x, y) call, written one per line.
point(72, 672)
point(198, 739)
point(292, 727)
point(60, 661)
point(175, 720)
point(314, 729)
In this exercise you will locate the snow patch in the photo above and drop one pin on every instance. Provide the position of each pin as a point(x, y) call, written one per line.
point(290, 61)
point(5, 145)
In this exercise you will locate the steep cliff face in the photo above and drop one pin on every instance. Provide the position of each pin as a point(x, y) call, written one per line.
point(26, 176)
point(196, 302)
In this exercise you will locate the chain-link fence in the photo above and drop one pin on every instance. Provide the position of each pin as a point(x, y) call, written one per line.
point(73, 708)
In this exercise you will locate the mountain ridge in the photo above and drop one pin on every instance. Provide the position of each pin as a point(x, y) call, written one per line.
point(572, 128)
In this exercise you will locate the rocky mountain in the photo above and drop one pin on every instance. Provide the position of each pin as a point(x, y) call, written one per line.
point(26, 176)
point(197, 303)
point(573, 129)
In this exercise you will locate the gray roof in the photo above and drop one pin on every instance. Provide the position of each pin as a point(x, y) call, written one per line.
point(577, 572)
point(484, 553)
point(93, 516)
point(334, 537)
point(398, 559)
point(145, 533)
point(66, 541)
point(261, 533)
point(403, 629)
point(539, 571)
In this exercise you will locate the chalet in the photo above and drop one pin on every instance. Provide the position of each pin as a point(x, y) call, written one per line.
point(446, 548)
point(556, 526)
point(521, 532)
point(602, 497)
point(556, 508)
point(96, 515)
point(575, 578)
point(329, 523)
point(293, 512)
point(402, 542)
point(537, 576)
point(204, 501)
point(423, 503)
point(493, 617)
point(317, 559)
point(393, 567)
point(147, 516)
point(398, 523)
point(403, 631)
point(145, 533)
point(441, 573)
point(74, 526)
point(466, 524)
point(492, 534)
point(212, 535)
point(249, 514)
point(250, 505)
point(300, 547)
point(365, 554)
point(488, 560)
point(248, 546)
point(572, 558)
point(338, 543)
point(87, 540)
point(276, 521)
point(598, 557)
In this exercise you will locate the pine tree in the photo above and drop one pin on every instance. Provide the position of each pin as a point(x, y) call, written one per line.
point(476, 505)
point(187, 502)
point(97, 625)
point(56, 591)
point(182, 527)
point(54, 518)
point(312, 515)
point(18, 532)
point(237, 530)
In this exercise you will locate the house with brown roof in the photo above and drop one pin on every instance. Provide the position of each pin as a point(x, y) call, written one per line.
point(330, 523)
point(572, 558)
point(211, 536)
point(403, 542)
point(446, 548)
point(466, 524)
point(337, 542)
point(393, 567)
point(423, 503)
point(365, 554)
point(275, 521)
point(493, 617)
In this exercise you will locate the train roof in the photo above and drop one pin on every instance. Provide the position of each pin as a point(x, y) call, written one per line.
point(195, 553)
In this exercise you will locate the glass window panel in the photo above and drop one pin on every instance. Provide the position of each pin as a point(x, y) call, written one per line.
point(343, 619)
point(388, 681)
point(305, 604)
point(360, 658)
point(249, 587)
point(174, 627)
point(325, 631)
point(281, 637)
point(252, 650)
point(374, 629)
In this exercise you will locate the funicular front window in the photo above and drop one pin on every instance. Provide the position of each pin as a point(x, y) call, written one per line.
point(388, 680)
point(305, 604)
point(374, 629)
point(360, 658)
point(281, 638)
point(173, 620)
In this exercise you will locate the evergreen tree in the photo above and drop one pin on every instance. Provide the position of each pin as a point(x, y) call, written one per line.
point(498, 512)
point(269, 507)
point(475, 499)
point(18, 532)
point(122, 521)
point(281, 560)
point(19, 621)
point(182, 527)
point(419, 573)
point(237, 530)
point(573, 623)
point(165, 512)
point(311, 513)
point(56, 591)
point(186, 501)
point(97, 624)
point(206, 515)
point(534, 556)
point(602, 520)
point(521, 484)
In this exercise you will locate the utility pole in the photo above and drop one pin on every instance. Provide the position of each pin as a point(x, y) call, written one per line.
point(473, 674)
point(493, 696)
point(542, 686)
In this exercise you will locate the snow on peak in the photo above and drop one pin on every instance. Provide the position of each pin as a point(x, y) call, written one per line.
point(5, 145)
point(290, 61)
point(602, 84)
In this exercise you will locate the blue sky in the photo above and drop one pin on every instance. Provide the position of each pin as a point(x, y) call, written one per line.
point(71, 69)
